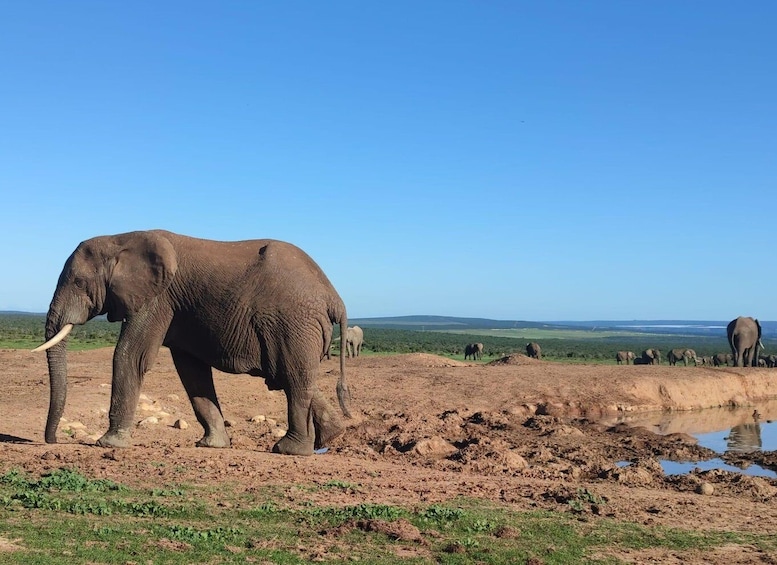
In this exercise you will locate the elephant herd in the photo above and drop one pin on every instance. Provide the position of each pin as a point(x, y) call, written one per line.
point(744, 338)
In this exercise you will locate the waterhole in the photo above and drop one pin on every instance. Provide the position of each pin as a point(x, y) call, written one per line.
point(724, 430)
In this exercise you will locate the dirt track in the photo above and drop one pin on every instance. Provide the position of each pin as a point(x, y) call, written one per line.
point(524, 433)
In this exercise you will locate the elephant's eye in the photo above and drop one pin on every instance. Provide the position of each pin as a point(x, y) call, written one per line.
point(80, 283)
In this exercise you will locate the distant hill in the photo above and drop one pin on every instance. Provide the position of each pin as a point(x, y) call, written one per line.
point(711, 328)
point(669, 327)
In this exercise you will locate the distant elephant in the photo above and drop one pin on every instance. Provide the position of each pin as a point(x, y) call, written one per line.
point(683, 354)
point(722, 359)
point(651, 357)
point(705, 360)
point(771, 361)
point(354, 339)
point(624, 357)
point(261, 307)
point(744, 337)
point(534, 350)
point(474, 350)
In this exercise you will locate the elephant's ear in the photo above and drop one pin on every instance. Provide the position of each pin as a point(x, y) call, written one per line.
point(144, 267)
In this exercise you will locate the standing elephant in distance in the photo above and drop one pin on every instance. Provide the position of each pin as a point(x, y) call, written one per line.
point(722, 359)
point(261, 307)
point(534, 350)
point(354, 339)
point(770, 361)
point(744, 337)
point(651, 357)
point(624, 357)
point(474, 350)
point(683, 355)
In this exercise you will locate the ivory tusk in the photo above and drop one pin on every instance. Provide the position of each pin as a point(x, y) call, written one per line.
point(62, 334)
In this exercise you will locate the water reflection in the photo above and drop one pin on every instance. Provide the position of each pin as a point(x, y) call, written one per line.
point(740, 430)
point(745, 438)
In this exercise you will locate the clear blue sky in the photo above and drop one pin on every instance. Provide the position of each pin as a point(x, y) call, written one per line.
point(542, 160)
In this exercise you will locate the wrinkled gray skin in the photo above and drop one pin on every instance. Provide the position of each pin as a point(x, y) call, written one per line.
point(682, 354)
point(474, 350)
point(624, 357)
point(651, 357)
point(534, 350)
point(744, 337)
point(354, 341)
point(261, 307)
point(722, 359)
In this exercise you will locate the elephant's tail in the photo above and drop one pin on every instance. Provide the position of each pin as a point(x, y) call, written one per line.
point(343, 394)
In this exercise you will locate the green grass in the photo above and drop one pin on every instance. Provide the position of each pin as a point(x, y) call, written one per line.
point(66, 517)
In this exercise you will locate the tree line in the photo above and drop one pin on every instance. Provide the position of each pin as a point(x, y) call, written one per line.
point(27, 330)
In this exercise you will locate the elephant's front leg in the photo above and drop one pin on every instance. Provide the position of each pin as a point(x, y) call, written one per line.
point(197, 379)
point(135, 352)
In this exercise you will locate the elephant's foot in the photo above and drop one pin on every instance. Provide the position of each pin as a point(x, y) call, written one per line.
point(110, 438)
point(327, 431)
point(214, 440)
point(287, 445)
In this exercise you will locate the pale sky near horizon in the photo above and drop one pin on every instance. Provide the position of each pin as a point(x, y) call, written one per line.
point(554, 160)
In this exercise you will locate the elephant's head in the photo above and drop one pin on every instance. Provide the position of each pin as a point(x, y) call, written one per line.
point(113, 275)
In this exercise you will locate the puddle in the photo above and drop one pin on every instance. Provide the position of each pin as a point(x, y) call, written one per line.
point(724, 430)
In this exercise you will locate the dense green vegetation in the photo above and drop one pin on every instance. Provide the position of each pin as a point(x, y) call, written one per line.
point(66, 517)
point(21, 331)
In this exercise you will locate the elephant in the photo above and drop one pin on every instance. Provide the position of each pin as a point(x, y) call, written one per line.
point(474, 350)
point(651, 357)
point(354, 339)
point(624, 357)
point(722, 359)
point(259, 307)
point(744, 337)
point(534, 350)
point(683, 354)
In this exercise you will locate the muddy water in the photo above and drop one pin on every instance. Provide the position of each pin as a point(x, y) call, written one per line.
point(723, 430)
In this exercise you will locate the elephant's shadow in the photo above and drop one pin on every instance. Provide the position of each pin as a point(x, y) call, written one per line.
point(5, 438)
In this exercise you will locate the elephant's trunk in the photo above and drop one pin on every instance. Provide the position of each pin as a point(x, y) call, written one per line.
point(57, 361)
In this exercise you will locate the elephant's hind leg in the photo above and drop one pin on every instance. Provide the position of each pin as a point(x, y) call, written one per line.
point(326, 421)
point(197, 379)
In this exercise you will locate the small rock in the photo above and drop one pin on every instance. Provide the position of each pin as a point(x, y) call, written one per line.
point(150, 421)
point(435, 446)
point(181, 424)
point(705, 488)
point(258, 418)
point(173, 397)
point(271, 421)
point(228, 423)
point(278, 432)
point(76, 426)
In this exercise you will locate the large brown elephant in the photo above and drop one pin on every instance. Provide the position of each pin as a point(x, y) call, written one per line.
point(534, 350)
point(744, 337)
point(261, 307)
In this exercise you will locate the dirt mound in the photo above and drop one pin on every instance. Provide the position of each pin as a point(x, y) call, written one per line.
point(515, 359)
point(424, 360)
